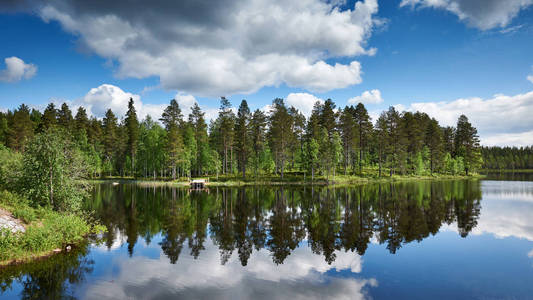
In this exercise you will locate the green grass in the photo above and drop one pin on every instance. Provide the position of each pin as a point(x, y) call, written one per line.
point(369, 175)
point(507, 170)
point(46, 230)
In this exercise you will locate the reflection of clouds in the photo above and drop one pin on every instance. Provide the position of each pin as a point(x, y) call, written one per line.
point(303, 275)
point(530, 254)
point(507, 208)
point(118, 241)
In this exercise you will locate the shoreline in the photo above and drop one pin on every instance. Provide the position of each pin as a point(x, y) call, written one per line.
point(340, 180)
point(46, 233)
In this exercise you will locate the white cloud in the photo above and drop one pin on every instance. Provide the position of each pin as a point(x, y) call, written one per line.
point(507, 118)
point(367, 97)
point(185, 102)
point(483, 14)
point(303, 102)
point(227, 47)
point(106, 96)
point(506, 139)
point(98, 100)
point(530, 78)
point(506, 210)
point(16, 70)
point(302, 276)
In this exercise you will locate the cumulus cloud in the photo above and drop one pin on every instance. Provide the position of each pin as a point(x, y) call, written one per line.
point(303, 102)
point(16, 70)
point(225, 47)
point(483, 14)
point(500, 120)
point(530, 78)
point(367, 97)
point(303, 275)
point(506, 210)
point(107, 96)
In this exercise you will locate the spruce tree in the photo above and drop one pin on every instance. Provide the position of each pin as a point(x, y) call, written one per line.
point(64, 117)
point(110, 138)
point(172, 118)
point(364, 127)
point(467, 144)
point(242, 137)
point(132, 128)
point(197, 120)
point(20, 129)
point(280, 133)
point(49, 118)
point(258, 125)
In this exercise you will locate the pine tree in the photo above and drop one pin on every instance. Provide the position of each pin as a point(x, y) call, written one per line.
point(258, 125)
point(467, 144)
point(382, 139)
point(328, 117)
point(348, 129)
point(110, 138)
point(280, 133)
point(435, 144)
point(172, 118)
point(49, 118)
point(364, 126)
point(20, 129)
point(197, 120)
point(226, 133)
point(311, 156)
point(132, 128)
point(64, 117)
point(81, 121)
point(242, 138)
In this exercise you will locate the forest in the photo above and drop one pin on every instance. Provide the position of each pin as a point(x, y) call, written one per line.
point(507, 158)
point(250, 144)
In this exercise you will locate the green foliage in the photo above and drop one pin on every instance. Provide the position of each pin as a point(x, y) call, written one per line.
point(507, 157)
point(400, 143)
point(10, 167)
point(51, 166)
point(46, 230)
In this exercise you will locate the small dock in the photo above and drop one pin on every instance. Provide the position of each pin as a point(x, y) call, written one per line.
point(198, 184)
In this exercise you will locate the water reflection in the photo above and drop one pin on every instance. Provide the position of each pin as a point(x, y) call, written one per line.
point(298, 242)
point(245, 220)
point(50, 278)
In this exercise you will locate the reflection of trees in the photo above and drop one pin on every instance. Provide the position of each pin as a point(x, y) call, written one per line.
point(286, 227)
point(242, 220)
point(49, 278)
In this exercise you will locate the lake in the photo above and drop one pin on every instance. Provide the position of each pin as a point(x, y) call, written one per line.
point(409, 240)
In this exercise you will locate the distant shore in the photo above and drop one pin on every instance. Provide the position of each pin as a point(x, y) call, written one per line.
point(339, 180)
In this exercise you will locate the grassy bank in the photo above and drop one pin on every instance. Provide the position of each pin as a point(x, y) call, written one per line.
point(483, 171)
point(294, 178)
point(46, 231)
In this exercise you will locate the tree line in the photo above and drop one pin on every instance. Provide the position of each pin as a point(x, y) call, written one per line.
point(240, 221)
point(511, 158)
point(254, 143)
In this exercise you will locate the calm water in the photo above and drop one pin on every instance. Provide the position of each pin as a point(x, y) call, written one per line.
point(425, 240)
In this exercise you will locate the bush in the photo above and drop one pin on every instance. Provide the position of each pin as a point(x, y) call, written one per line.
point(52, 164)
point(53, 229)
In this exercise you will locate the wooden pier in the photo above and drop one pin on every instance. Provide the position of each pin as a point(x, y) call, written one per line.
point(198, 184)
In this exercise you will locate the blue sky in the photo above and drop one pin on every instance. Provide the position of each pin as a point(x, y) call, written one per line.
point(444, 57)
